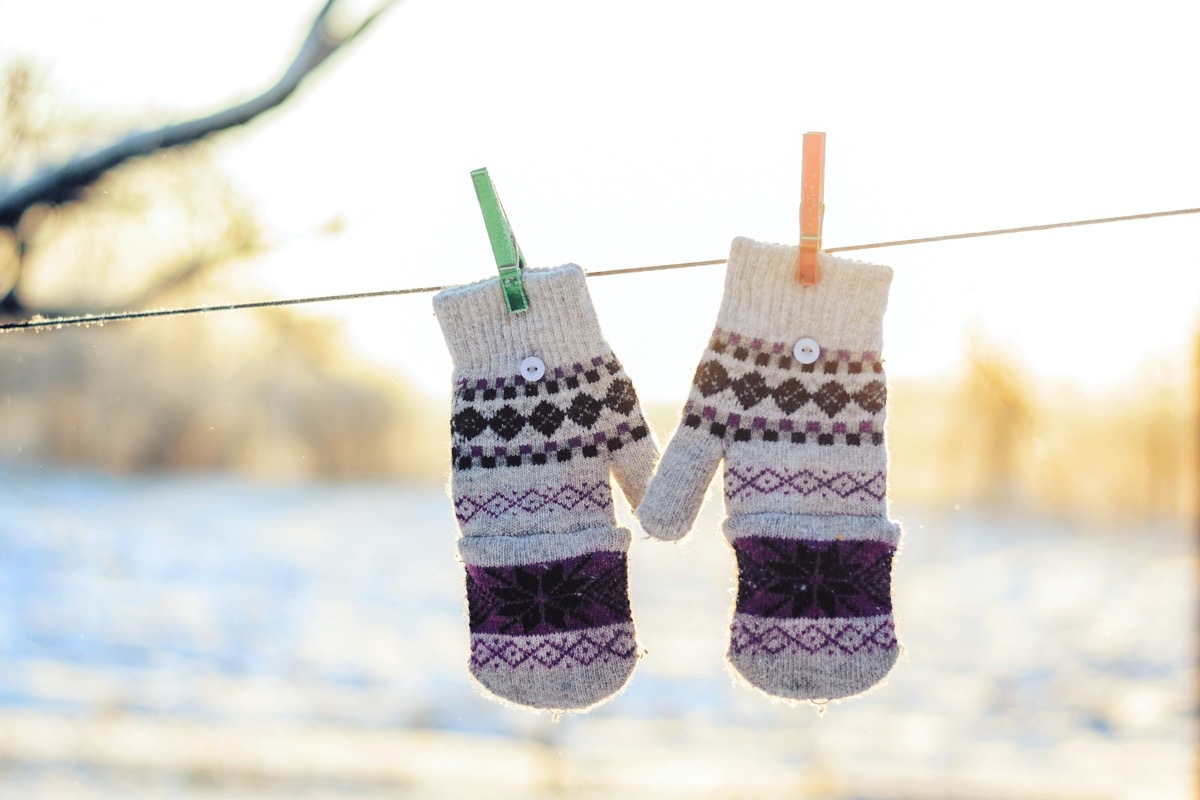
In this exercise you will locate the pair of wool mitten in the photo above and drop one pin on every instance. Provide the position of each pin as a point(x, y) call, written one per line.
point(790, 393)
point(542, 412)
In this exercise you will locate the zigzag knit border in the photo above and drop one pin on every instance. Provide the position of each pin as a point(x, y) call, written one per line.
point(755, 636)
point(583, 648)
point(532, 501)
point(805, 482)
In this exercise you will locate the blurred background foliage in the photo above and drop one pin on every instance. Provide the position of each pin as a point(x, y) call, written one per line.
point(276, 393)
point(281, 393)
point(270, 393)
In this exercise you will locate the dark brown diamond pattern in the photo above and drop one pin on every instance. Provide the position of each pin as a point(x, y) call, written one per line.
point(752, 388)
point(831, 397)
point(507, 423)
point(791, 395)
point(584, 410)
point(545, 417)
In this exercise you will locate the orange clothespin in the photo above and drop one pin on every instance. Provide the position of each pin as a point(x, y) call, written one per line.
point(812, 207)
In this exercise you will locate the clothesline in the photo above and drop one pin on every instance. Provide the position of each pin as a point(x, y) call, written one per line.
point(93, 319)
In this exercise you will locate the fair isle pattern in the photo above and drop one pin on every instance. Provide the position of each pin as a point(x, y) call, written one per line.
point(748, 389)
point(546, 571)
point(790, 394)
point(549, 597)
point(757, 635)
point(548, 452)
point(745, 482)
point(779, 354)
point(583, 648)
point(786, 578)
point(546, 418)
point(533, 501)
point(739, 427)
point(805, 470)
point(511, 422)
point(510, 386)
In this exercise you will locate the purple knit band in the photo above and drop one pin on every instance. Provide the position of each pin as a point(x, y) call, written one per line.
point(791, 578)
point(586, 591)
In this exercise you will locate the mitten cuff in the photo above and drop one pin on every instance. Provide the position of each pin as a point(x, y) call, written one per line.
point(763, 297)
point(560, 325)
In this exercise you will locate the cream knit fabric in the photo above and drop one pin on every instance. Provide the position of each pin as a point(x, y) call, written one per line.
point(547, 584)
point(805, 471)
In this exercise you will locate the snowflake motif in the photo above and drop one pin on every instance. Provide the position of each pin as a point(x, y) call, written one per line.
point(792, 578)
point(540, 598)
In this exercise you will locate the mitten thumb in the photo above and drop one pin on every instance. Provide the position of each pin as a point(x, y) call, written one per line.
point(677, 489)
point(633, 464)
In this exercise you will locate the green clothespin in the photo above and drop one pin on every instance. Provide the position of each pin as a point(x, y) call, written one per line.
point(509, 259)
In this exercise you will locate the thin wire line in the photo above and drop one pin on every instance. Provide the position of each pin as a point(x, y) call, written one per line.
point(1024, 229)
point(97, 319)
point(604, 273)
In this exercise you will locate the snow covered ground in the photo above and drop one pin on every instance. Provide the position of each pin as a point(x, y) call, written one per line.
point(205, 637)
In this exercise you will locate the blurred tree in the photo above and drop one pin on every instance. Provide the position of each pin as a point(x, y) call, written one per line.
point(1002, 413)
point(272, 392)
point(1193, 437)
point(25, 203)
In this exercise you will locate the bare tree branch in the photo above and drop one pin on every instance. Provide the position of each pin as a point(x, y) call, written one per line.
point(64, 182)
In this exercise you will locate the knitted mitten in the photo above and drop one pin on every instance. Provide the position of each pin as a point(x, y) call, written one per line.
point(541, 410)
point(791, 393)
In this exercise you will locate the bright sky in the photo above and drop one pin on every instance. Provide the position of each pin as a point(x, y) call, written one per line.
point(629, 133)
